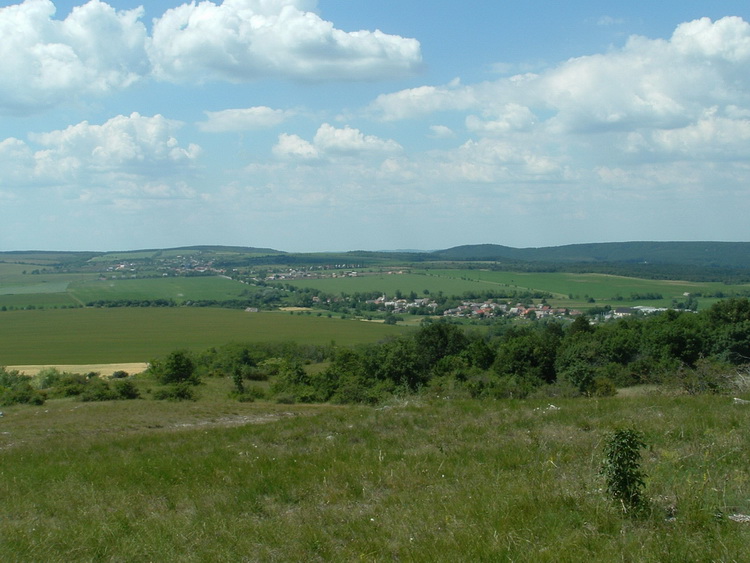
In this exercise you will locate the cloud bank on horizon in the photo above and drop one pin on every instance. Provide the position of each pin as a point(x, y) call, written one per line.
point(263, 123)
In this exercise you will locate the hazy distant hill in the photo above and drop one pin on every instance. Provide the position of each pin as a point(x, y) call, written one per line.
point(663, 259)
point(704, 254)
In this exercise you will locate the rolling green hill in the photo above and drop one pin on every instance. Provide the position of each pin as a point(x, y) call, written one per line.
point(711, 254)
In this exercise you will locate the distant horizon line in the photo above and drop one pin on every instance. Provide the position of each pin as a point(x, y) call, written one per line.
point(395, 251)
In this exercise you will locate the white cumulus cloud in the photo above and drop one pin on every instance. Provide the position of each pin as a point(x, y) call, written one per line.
point(511, 117)
point(441, 132)
point(331, 142)
point(94, 50)
point(294, 146)
point(240, 40)
point(424, 100)
point(259, 117)
point(648, 83)
point(133, 144)
point(349, 140)
point(712, 137)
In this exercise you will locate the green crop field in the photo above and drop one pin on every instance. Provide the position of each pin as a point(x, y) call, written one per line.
point(599, 286)
point(17, 279)
point(38, 300)
point(20, 288)
point(417, 281)
point(82, 336)
point(180, 289)
point(430, 479)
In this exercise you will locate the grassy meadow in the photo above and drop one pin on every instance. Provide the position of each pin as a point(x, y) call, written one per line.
point(424, 479)
point(138, 334)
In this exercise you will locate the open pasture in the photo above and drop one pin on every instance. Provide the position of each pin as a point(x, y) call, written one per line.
point(87, 336)
point(423, 480)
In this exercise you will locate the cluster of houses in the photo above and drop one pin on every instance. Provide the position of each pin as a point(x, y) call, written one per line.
point(168, 266)
point(472, 309)
point(621, 312)
point(400, 306)
point(323, 272)
point(491, 309)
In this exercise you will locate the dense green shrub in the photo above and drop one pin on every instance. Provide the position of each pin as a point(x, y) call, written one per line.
point(69, 385)
point(16, 388)
point(125, 389)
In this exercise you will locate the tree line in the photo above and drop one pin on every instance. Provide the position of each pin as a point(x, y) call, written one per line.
point(699, 352)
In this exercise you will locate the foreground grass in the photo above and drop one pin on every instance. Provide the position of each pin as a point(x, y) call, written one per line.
point(422, 480)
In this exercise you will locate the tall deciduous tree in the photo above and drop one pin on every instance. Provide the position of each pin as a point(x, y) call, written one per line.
point(178, 367)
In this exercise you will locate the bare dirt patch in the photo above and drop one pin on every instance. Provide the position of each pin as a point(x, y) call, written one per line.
point(104, 369)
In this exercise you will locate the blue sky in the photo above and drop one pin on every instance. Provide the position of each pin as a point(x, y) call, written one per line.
point(351, 124)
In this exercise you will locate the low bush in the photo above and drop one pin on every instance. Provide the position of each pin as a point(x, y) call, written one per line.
point(248, 394)
point(603, 387)
point(46, 378)
point(176, 392)
point(708, 376)
point(98, 390)
point(69, 385)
